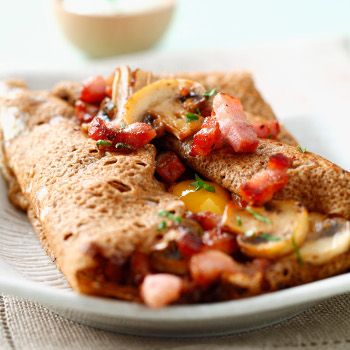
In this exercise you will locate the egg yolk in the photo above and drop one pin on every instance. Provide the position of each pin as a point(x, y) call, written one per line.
point(201, 200)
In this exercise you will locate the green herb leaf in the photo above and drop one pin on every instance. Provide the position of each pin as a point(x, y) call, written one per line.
point(165, 213)
point(268, 237)
point(270, 136)
point(198, 111)
point(191, 116)
point(103, 143)
point(297, 251)
point(302, 150)
point(122, 145)
point(258, 216)
point(162, 225)
point(249, 233)
point(239, 221)
point(210, 93)
point(202, 184)
point(123, 126)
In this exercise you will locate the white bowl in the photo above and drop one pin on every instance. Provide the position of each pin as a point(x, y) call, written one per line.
point(103, 35)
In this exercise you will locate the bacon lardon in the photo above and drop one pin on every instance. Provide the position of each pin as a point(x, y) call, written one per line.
point(169, 167)
point(161, 289)
point(207, 267)
point(268, 129)
point(208, 138)
point(93, 90)
point(262, 186)
point(135, 135)
point(234, 125)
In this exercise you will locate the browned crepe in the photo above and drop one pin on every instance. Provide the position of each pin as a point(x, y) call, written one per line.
point(91, 208)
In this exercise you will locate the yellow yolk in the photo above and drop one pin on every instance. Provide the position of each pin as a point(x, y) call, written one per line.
point(201, 200)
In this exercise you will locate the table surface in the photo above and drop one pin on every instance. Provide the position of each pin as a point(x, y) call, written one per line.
point(29, 34)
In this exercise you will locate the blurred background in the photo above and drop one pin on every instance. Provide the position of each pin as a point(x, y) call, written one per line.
point(29, 32)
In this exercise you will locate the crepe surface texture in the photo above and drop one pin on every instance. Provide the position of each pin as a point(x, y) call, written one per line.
point(90, 207)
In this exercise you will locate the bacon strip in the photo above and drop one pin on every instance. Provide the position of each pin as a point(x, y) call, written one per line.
point(233, 123)
point(161, 289)
point(261, 187)
point(268, 129)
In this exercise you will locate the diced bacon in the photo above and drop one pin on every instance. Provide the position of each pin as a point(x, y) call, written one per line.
point(234, 126)
point(188, 243)
point(268, 129)
point(219, 240)
point(189, 215)
point(279, 161)
point(209, 220)
point(98, 130)
point(262, 186)
point(135, 135)
point(93, 90)
point(207, 267)
point(140, 267)
point(85, 112)
point(207, 138)
point(206, 111)
point(169, 167)
point(161, 289)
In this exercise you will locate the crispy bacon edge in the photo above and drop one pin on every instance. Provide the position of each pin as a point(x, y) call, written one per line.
point(261, 187)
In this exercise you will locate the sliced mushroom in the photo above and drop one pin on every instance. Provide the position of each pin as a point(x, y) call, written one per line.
point(141, 79)
point(126, 83)
point(327, 238)
point(166, 258)
point(121, 90)
point(268, 231)
point(168, 100)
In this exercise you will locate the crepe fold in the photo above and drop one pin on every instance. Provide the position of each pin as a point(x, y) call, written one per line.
point(90, 210)
point(316, 182)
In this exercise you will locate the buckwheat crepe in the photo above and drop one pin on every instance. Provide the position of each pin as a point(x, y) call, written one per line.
point(92, 211)
point(89, 211)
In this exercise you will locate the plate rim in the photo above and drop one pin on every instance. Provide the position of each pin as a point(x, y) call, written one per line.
point(295, 296)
